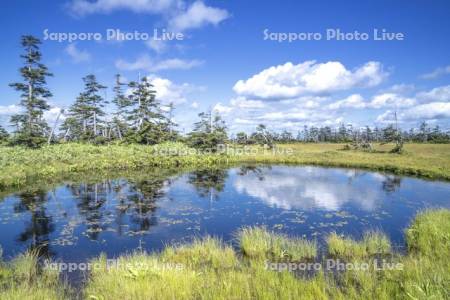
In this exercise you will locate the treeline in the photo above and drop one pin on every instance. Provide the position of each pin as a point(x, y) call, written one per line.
point(345, 134)
point(136, 116)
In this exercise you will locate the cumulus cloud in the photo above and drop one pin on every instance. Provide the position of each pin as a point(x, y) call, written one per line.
point(77, 55)
point(439, 94)
point(52, 114)
point(352, 101)
point(384, 100)
point(222, 109)
point(391, 100)
point(291, 81)
point(145, 63)
point(197, 15)
point(433, 110)
point(438, 72)
point(168, 92)
point(243, 103)
point(428, 111)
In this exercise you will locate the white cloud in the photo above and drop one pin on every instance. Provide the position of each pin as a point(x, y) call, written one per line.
point(179, 15)
point(386, 117)
point(291, 81)
point(434, 110)
point(10, 109)
point(167, 91)
point(158, 46)
point(86, 7)
point(400, 88)
point(77, 55)
point(51, 115)
point(439, 94)
point(194, 104)
point(428, 111)
point(243, 103)
point(391, 100)
point(437, 73)
point(145, 63)
point(245, 121)
point(197, 15)
point(352, 101)
point(222, 109)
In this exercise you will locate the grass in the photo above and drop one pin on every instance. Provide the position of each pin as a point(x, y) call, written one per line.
point(21, 166)
point(23, 279)
point(257, 242)
point(373, 243)
point(430, 233)
point(210, 269)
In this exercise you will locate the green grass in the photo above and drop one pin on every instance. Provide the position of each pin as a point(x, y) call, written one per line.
point(257, 242)
point(430, 233)
point(23, 279)
point(209, 269)
point(373, 243)
point(21, 166)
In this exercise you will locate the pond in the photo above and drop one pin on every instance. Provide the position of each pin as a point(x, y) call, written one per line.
point(80, 219)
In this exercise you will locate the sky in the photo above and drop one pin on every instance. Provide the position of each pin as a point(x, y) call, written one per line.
point(235, 58)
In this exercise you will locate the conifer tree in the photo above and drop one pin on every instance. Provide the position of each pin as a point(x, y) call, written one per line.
point(3, 134)
point(146, 119)
point(208, 133)
point(85, 115)
point(30, 126)
point(122, 103)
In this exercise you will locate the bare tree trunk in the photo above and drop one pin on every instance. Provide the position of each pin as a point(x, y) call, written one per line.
point(66, 134)
point(95, 124)
point(118, 132)
point(53, 129)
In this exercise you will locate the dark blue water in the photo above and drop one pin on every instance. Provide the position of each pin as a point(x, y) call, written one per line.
point(75, 221)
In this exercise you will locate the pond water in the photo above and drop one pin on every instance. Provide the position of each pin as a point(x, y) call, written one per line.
point(77, 220)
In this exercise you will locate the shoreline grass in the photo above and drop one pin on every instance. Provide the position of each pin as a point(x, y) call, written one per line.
point(259, 243)
point(373, 243)
point(21, 166)
point(211, 269)
point(22, 278)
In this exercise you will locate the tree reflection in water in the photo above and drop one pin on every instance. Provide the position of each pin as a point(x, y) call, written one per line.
point(391, 184)
point(135, 204)
point(40, 225)
point(208, 182)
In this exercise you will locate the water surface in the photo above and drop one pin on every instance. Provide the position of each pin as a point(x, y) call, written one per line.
point(75, 221)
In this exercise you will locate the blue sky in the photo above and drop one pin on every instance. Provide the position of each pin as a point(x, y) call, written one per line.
point(224, 62)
